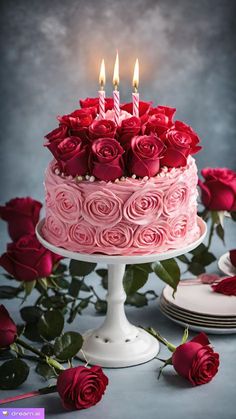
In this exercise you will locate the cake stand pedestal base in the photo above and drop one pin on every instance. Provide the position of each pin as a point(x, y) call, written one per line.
point(117, 343)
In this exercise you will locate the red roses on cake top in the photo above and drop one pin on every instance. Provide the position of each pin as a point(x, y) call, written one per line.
point(218, 189)
point(178, 139)
point(106, 159)
point(144, 155)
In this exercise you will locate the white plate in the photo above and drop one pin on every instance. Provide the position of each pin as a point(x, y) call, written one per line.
point(208, 323)
point(201, 299)
point(226, 266)
point(196, 328)
point(195, 315)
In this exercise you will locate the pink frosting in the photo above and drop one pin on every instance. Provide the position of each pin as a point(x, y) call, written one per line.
point(130, 216)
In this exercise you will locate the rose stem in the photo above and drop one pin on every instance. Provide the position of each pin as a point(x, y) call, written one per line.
point(45, 390)
point(47, 359)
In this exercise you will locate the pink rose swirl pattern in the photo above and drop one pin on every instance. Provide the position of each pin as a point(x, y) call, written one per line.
point(144, 206)
point(152, 238)
point(102, 208)
point(54, 230)
point(67, 202)
point(175, 198)
point(115, 239)
point(81, 237)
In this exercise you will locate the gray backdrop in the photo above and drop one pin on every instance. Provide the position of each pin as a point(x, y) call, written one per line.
point(51, 52)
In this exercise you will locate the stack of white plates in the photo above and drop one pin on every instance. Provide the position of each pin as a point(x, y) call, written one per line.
point(195, 305)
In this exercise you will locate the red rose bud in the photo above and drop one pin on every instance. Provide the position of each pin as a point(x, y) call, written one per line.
point(144, 155)
point(181, 141)
point(144, 108)
point(27, 259)
point(227, 286)
point(106, 159)
point(218, 189)
point(159, 121)
point(94, 102)
point(8, 330)
point(129, 128)
point(196, 361)
point(72, 155)
point(81, 387)
point(80, 118)
point(102, 128)
point(22, 215)
point(232, 256)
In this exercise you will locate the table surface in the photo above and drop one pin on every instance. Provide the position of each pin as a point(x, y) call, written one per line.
point(136, 391)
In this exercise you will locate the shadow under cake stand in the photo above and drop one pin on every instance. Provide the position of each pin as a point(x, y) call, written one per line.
point(118, 343)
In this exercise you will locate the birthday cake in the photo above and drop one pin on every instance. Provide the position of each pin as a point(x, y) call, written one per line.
point(121, 189)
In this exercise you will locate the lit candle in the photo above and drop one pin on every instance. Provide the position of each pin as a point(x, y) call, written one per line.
point(116, 94)
point(101, 92)
point(135, 94)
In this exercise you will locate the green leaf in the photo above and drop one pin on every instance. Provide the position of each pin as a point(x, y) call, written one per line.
point(200, 249)
point(220, 232)
point(29, 286)
point(8, 292)
point(233, 215)
point(43, 282)
point(204, 259)
point(74, 287)
point(168, 270)
point(13, 373)
point(137, 300)
point(31, 332)
point(104, 282)
point(46, 371)
point(101, 306)
point(31, 314)
point(60, 269)
point(78, 268)
point(67, 345)
point(183, 259)
point(134, 279)
point(101, 272)
point(47, 349)
point(196, 268)
point(51, 324)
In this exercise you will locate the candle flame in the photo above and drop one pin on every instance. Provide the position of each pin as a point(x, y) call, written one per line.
point(136, 75)
point(102, 75)
point(116, 79)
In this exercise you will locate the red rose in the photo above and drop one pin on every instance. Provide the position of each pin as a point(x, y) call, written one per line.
point(22, 215)
point(129, 128)
point(94, 102)
point(72, 155)
point(81, 387)
point(227, 286)
point(106, 159)
point(144, 108)
point(181, 141)
point(27, 259)
point(8, 330)
point(232, 256)
point(102, 128)
point(79, 118)
point(219, 189)
point(54, 137)
point(196, 361)
point(159, 121)
point(144, 155)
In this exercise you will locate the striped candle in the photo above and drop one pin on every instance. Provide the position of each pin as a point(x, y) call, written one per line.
point(102, 111)
point(135, 97)
point(116, 97)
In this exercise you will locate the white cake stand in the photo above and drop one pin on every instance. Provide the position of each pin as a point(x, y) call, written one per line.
point(118, 343)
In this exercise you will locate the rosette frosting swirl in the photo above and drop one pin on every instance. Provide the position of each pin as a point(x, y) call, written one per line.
point(67, 202)
point(54, 230)
point(81, 237)
point(178, 227)
point(102, 208)
point(175, 198)
point(113, 240)
point(144, 206)
point(151, 237)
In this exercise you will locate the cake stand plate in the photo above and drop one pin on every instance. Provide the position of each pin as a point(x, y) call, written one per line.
point(118, 343)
